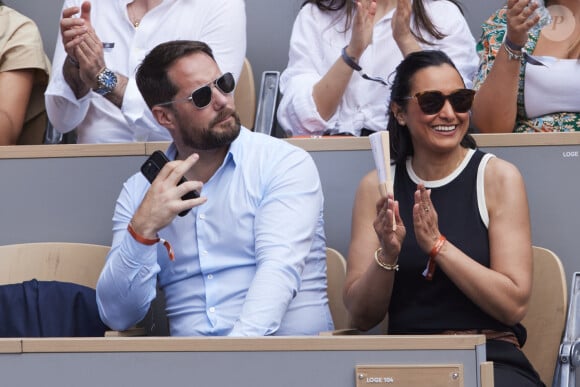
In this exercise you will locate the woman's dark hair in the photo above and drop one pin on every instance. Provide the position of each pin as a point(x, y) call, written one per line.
point(151, 77)
point(399, 136)
point(421, 20)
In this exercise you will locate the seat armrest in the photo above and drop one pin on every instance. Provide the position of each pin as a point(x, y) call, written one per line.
point(267, 103)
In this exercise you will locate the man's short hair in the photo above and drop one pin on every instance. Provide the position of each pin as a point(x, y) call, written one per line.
point(152, 80)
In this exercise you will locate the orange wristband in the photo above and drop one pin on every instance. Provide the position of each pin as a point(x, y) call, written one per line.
point(149, 242)
point(437, 247)
point(430, 270)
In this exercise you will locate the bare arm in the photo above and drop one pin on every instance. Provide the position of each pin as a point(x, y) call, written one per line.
point(495, 104)
point(15, 90)
point(72, 31)
point(368, 287)
point(89, 53)
point(402, 28)
point(503, 290)
point(328, 92)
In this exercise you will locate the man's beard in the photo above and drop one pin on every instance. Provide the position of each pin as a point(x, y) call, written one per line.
point(210, 138)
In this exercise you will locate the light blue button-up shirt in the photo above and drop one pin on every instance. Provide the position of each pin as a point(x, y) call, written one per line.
point(248, 262)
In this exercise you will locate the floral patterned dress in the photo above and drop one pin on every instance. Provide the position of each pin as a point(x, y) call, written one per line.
point(494, 30)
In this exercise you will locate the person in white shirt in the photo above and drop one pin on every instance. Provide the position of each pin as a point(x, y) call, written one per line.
point(332, 39)
point(100, 45)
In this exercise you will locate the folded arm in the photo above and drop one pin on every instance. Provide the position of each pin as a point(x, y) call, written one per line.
point(285, 227)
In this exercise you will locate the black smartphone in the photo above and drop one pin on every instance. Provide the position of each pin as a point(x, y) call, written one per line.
point(153, 165)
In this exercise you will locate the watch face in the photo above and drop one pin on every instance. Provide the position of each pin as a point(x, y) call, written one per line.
point(106, 82)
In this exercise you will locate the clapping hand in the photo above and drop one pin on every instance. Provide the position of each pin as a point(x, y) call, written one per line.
point(362, 27)
point(391, 236)
point(425, 219)
point(401, 26)
point(82, 44)
point(73, 29)
point(521, 16)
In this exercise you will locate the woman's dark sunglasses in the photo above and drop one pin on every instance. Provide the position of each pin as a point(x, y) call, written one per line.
point(432, 101)
point(201, 97)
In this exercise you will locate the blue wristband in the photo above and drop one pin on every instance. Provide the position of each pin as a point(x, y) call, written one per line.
point(511, 45)
point(349, 60)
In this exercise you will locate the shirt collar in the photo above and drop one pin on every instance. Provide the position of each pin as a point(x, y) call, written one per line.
point(237, 146)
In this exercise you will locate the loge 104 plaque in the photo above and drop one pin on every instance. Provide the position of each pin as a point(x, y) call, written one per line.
point(443, 375)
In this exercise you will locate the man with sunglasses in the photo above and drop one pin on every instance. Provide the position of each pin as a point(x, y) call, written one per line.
point(249, 258)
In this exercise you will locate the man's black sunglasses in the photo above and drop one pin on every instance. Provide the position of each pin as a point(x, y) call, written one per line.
point(201, 97)
point(432, 101)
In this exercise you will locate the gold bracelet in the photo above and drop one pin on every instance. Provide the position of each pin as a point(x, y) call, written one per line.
point(386, 266)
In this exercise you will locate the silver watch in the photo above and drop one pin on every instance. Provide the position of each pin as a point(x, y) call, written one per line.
point(106, 82)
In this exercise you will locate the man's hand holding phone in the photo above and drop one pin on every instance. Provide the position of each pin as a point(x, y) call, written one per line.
point(169, 195)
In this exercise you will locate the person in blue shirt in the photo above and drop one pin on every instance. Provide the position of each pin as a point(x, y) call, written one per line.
point(249, 258)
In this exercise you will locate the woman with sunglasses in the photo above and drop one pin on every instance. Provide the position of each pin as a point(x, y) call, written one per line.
point(332, 40)
point(450, 251)
point(528, 81)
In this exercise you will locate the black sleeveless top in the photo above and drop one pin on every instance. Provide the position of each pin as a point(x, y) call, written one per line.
point(419, 306)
